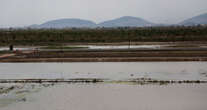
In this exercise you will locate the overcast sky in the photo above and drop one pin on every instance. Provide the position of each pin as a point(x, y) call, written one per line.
point(27, 12)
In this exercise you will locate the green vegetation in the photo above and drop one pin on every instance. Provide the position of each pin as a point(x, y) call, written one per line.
point(5, 52)
point(101, 35)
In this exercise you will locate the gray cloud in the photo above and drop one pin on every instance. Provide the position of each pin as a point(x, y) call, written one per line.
point(26, 12)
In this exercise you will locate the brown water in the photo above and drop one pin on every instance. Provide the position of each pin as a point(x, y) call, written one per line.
point(92, 47)
point(107, 70)
point(122, 46)
point(116, 97)
point(104, 96)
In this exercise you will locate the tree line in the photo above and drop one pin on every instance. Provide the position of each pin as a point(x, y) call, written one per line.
point(101, 35)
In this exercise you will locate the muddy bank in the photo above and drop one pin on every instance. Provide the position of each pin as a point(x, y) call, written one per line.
point(138, 81)
point(116, 55)
point(139, 59)
point(111, 53)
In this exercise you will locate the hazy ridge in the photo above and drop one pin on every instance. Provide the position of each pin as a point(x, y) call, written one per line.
point(126, 21)
point(197, 20)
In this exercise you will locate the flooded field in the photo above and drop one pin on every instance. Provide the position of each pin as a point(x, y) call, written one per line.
point(101, 47)
point(110, 97)
point(116, 94)
point(106, 70)
point(108, 46)
point(88, 47)
point(122, 46)
point(143, 46)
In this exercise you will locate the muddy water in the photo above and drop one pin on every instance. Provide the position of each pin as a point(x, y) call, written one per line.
point(122, 46)
point(12, 93)
point(93, 47)
point(112, 71)
point(117, 97)
point(104, 96)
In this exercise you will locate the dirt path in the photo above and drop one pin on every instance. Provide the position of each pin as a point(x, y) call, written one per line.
point(109, 55)
point(119, 59)
point(7, 55)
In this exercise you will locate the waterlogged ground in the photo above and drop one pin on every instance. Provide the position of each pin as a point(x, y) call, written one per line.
point(68, 47)
point(15, 92)
point(89, 47)
point(122, 46)
point(17, 48)
point(119, 95)
point(106, 70)
point(114, 97)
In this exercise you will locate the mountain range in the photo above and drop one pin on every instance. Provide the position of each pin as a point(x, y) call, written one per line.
point(197, 20)
point(126, 21)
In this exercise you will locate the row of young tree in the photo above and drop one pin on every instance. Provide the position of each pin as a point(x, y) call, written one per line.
point(147, 34)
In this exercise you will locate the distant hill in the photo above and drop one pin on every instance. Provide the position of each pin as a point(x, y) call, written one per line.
point(126, 21)
point(201, 19)
point(66, 23)
point(33, 26)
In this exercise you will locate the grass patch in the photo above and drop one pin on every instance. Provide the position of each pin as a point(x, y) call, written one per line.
point(5, 52)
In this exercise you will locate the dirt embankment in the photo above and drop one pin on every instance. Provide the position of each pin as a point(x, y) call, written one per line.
point(113, 55)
